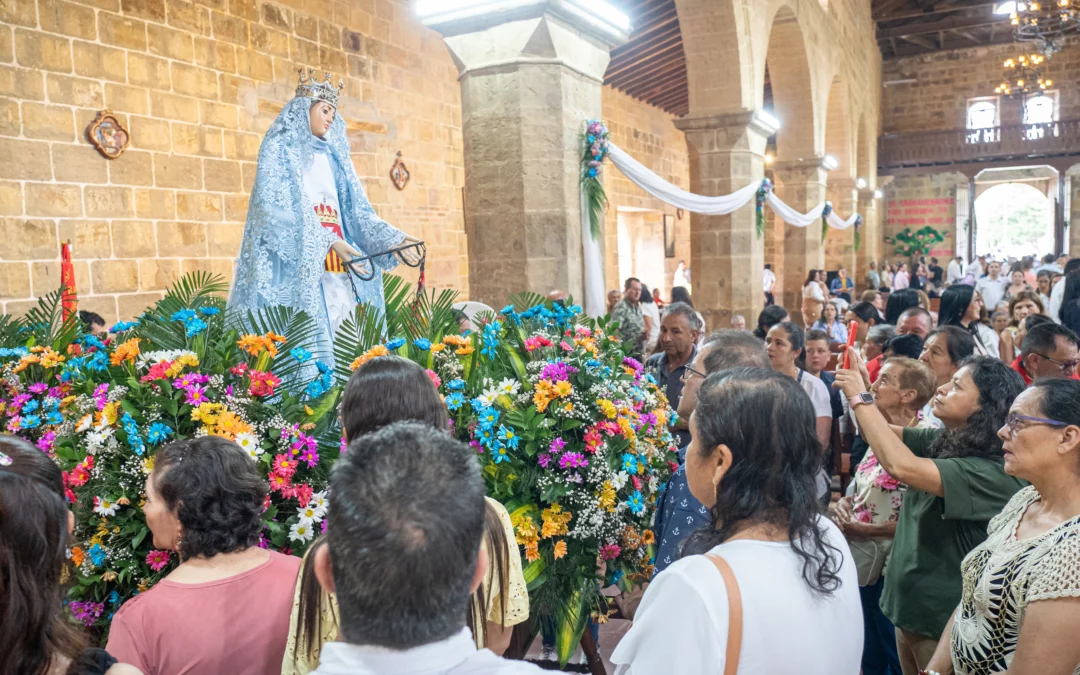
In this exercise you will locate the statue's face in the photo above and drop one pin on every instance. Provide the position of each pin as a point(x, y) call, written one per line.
point(322, 116)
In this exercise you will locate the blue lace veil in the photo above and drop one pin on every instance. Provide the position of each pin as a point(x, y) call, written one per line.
point(282, 255)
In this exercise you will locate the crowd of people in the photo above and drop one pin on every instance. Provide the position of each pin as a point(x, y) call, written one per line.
point(907, 505)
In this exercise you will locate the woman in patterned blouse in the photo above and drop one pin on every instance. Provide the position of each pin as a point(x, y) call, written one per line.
point(1020, 608)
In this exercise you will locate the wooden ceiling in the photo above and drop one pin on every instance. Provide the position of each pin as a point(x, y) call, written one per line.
point(910, 27)
point(651, 66)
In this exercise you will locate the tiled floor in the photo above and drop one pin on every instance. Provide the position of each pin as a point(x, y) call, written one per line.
point(610, 634)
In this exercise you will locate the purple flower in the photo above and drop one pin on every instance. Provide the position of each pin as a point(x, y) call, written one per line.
point(19, 401)
point(543, 459)
point(263, 541)
point(45, 443)
point(311, 457)
point(322, 527)
point(37, 387)
point(557, 446)
point(475, 445)
point(86, 612)
point(55, 392)
point(573, 460)
point(557, 371)
point(101, 390)
point(195, 395)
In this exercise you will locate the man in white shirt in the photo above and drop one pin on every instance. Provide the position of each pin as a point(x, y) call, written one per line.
point(768, 280)
point(974, 268)
point(956, 271)
point(991, 287)
point(404, 557)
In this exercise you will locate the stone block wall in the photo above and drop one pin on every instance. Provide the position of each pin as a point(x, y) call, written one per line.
point(649, 136)
point(919, 201)
point(943, 83)
point(197, 83)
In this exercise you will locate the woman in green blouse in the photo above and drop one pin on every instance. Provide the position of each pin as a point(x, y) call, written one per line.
point(956, 483)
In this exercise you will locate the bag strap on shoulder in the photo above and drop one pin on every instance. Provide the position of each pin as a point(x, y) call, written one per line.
point(735, 618)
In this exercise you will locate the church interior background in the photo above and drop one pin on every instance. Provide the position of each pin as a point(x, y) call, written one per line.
point(887, 108)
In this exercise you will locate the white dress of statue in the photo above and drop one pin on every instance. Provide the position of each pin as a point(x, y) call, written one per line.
point(308, 216)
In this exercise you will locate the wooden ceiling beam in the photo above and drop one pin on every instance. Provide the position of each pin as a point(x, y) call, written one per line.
point(886, 7)
point(915, 50)
point(921, 41)
point(937, 9)
point(658, 89)
point(629, 68)
point(657, 30)
point(911, 29)
point(675, 61)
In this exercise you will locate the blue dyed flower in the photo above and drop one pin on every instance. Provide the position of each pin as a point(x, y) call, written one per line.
point(30, 406)
point(158, 433)
point(592, 172)
point(630, 463)
point(97, 363)
point(54, 418)
point(194, 327)
point(491, 339)
point(184, 315)
point(498, 454)
point(396, 343)
point(114, 598)
point(31, 422)
point(97, 555)
point(488, 417)
point(636, 503)
point(455, 385)
point(209, 311)
point(422, 344)
point(90, 341)
point(315, 389)
point(486, 437)
point(617, 576)
point(123, 326)
point(455, 400)
point(300, 354)
point(323, 368)
point(508, 437)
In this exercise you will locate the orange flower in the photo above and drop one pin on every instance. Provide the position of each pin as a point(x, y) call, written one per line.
point(532, 552)
point(560, 549)
point(252, 344)
point(125, 352)
point(77, 556)
point(464, 351)
point(455, 340)
point(648, 538)
point(438, 347)
point(377, 350)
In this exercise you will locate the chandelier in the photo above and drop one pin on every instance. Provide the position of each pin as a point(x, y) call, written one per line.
point(1045, 23)
point(1023, 76)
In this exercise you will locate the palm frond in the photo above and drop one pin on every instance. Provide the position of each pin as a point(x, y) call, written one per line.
point(44, 322)
point(526, 299)
point(295, 325)
point(9, 331)
point(192, 290)
point(357, 334)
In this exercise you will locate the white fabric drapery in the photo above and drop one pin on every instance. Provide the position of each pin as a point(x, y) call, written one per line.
point(650, 182)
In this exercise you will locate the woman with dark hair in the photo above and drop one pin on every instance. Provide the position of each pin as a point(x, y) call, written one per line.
point(1019, 609)
point(1070, 303)
point(383, 391)
point(962, 306)
point(814, 295)
point(651, 311)
point(943, 351)
point(769, 317)
point(1021, 305)
point(680, 294)
point(866, 315)
point(784, 344)
point(830, 324)
point(795, 577)
point(956, 484)
point(225, 608)
point(899, 302)
point(36, 633)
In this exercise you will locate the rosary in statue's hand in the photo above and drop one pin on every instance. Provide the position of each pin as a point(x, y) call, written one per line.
point(348, 253)
point(410, 256)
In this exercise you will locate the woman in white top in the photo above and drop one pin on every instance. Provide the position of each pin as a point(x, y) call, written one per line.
point(1019, 609)
point(962, 306)
point(784, 343)
point(814, 295)
point(799, 595)
point(902, 279)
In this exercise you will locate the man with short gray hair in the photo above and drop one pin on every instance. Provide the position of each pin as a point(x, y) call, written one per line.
point(738, 322)
point(404, 557)
point(679, 332)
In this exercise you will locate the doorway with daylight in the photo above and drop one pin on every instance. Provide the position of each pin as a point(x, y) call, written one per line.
point(1015, 212)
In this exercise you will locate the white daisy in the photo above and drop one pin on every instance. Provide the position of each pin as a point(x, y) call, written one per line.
point(509, 386)
point(309, 514)
point(84, 423)
point(302, 532)
point(96, 439)
point(104, 507)
point(250, 444)
point(487, 399)
point(318, 501)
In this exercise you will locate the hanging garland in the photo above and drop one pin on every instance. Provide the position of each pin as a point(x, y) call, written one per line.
point(759, 207)
point(594, 149)
point(858, 235)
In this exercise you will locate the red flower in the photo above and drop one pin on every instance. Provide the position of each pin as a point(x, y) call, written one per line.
point(262, 383)
point(284, 465)
point(279, 482)
point(157, 372)
point(239, 370)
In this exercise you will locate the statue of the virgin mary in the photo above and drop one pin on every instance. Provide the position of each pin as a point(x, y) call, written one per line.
point(308, 216)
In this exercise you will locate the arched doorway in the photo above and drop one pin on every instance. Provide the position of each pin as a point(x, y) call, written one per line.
point(1015, 212)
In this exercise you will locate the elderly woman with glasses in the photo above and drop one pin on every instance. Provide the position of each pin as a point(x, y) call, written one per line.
point(1021, 600)
point(956, 483)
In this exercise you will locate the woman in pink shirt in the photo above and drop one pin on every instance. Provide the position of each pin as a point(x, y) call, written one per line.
point(225, 608)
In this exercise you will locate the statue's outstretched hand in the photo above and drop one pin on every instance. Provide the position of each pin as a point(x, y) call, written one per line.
point(412, 255)
point(347, 253)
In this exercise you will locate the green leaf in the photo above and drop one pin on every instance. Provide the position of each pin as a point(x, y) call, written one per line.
point(571, 626)
point(138, 538)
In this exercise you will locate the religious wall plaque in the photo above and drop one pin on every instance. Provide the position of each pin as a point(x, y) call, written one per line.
point(108, 135)
point(399, 174)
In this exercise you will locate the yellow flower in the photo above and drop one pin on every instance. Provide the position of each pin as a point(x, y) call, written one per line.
point(174, 370)
point(555, 521)
point(189, 360)
point(109, 576)
point(51, 359)
point(563, 389)
point(125, 352)
point(464, 351)
point(207, 413)
point(308, 411)
point(560, 549)
point(607, 408)
point(525, 531)
point(143, 585)
point(110, 412)
point(147, 468)
point(607, 497)
point(648, 538)
point(438, 347)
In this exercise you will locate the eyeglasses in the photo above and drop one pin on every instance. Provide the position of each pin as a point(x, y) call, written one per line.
point(1016, 422)
point(689, 372)
point(1066, 366)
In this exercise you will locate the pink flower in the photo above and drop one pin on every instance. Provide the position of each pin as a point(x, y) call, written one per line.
point(189, 380)
point(195, 395)
point(565, 347)
point(863, 516)
point(434, 377)
point(543, 459)
point(156, 372)
point(344, 446)
point(45, 443)
point(636, 481)
point(886, 482)
point(157, 560)
point(610, 551)
point(311, 457)
point(557, 445)
point(37, 387)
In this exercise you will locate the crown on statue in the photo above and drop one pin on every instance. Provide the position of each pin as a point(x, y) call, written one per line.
point(320, 91)
point(326, 213)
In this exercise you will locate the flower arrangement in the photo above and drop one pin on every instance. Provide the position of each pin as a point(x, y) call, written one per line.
point(102, 411)
point(919, 242)
point(594, 150)
point(571, 435)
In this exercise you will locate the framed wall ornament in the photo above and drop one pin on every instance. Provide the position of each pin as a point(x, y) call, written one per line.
point(108, 135)
point(399, 173)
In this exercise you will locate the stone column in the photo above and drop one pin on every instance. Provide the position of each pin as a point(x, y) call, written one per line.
point(529, 80)
point(840, 244)
point(870, 233)
point(727, 152)
point(801, 184)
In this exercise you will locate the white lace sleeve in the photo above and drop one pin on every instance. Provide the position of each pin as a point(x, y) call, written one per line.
point(1057, 575)
point(1014, 510)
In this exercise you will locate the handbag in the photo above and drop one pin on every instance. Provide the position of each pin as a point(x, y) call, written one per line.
point(734, 640)
point(869, 556)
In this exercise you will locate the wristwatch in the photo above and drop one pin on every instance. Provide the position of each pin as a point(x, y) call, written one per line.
point(865, 398)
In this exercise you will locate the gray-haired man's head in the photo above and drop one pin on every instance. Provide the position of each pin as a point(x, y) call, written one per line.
point(404, 536)
point(722, 349)
point(679, 330)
